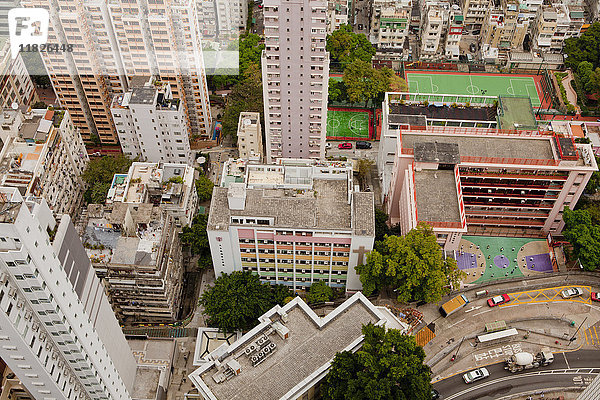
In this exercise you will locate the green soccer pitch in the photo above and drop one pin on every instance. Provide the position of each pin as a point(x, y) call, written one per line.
point(470, 84)
point(346, 124)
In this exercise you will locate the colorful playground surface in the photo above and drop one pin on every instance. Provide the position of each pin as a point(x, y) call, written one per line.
point(477, 84)
point(346, 123)
point(485, 258)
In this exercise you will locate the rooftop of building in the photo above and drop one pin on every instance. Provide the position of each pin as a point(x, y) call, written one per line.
point(302, 345)
point(123, 234)
point(509, 146)
point(443, 112)
point(436, 196)
point(23, 154)
point(325, 206)
point(153, 357)
point(295, 193)
point(516, 113)
point(142, 95)
point(157, 183)
point(436, 152)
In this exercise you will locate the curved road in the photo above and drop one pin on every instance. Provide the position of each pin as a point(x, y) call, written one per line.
point(568, 369)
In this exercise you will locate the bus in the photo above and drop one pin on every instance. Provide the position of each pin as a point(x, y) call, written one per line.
point(490, 337)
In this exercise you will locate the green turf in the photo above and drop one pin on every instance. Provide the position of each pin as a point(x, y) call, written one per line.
point(473, 85)
point(347, 124)
point(495, 244)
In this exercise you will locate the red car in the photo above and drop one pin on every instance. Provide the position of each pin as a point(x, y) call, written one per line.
point(494, 301)
point(345, 146)
point(595, 296)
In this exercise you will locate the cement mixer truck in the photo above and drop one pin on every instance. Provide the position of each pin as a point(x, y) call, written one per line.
point(521, 361)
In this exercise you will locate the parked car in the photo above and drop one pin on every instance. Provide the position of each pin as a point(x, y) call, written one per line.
point(595, 296)
point(571, 292)
point(476, 375)
point(345, 146)
point(495, 301)
point(435, 395)
point(363, 145)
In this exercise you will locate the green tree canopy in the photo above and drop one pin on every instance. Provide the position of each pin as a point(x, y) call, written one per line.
point(245, 96)
point(345, 46)
point(412, 265)
point(204, 188)
point(584, 236)
point(389, 366)
point(337, 91)
point(365, 83)
point(196, 238)
point(249, 49)
point(381, 227)
point(319, 292)
point(99, 174)
point(237, 300)
point(585, 47)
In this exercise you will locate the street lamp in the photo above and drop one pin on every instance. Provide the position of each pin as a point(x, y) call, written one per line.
point(456, 354)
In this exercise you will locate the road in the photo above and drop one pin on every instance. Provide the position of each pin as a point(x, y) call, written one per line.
point(568, 369)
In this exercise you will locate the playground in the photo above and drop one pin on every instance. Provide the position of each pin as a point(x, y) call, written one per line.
point(455, 83)
point(485, 258)
point(349, 124)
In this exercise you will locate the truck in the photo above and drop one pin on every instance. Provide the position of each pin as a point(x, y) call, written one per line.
point(524, 360)
point(453, 305)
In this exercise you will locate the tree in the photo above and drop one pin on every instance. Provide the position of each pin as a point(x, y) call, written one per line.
point(196, 238)
point(245, 96)
point(412, 265)
point(337, 91)
point(345, 46)
point(100, 173)
point(237, 300)
point(204, 188)
point(584, 236)
point(359, 78)
point(365, 167)
point(594, 183)
point(381, 227)
point(319, 293)
point(389, 366)
point(365, 83)
point(585, 47)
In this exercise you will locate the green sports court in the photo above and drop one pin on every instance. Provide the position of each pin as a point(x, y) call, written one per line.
point(476, 84)
point(348, 124)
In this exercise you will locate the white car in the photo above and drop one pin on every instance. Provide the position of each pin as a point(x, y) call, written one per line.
point(327, 145)
point(476, 375)
point(571, 292)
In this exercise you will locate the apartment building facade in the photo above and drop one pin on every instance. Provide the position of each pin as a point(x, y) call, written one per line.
point(59, 335)
point(474, 12)
point(337, 14)
point(390, 22)
point(16, 86)
point(295, 76)
point(554, 24)
point(151, 124)
point(45, 156)
point(249, 136)
point(293, 223)
point(506, 27)
point(434, 22)
point(118, 41)
point(84, 80)
point(504, 181)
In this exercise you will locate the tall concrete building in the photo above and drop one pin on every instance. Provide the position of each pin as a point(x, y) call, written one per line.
point(15, 83)
point(295, 75)
point(249, 134)
point(151, 124)
point(117, 41)
point(59, 334)
point(294, 223)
